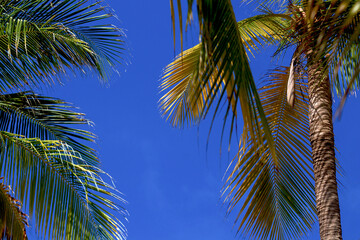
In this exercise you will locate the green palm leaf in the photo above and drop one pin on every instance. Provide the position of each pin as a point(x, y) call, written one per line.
point(44, 38)
point(12, 220)
point(65, 194)
point(280, 201)
point(35, 116)
point(39, 146)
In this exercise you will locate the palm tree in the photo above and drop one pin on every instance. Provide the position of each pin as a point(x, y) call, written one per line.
point(46, 161)
point(272, 166)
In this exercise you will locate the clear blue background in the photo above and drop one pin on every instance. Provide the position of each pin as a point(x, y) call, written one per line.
point(171, 182)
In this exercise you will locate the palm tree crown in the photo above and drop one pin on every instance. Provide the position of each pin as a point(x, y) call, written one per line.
point(272, 170)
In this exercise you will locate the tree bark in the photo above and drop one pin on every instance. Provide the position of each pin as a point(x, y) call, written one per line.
point(323, 154)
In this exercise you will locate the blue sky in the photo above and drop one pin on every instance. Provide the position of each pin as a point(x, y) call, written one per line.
point(171, 182)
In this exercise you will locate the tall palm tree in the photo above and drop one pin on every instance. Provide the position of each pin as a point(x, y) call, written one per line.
point(288, 122)
point(51, 170)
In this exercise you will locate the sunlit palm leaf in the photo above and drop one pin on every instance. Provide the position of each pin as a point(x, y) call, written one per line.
point(264, 5)
point(217, 25)
point(279, 193)
point(67, 196)
point(274, 167)
point(12, 220)
point(43, 38)
point(38, 117)
point(224, 57)
point(177, 81)
point(263, 29)
point(183, 75)
point(35, 116)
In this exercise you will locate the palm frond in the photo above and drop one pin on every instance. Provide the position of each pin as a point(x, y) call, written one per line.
point(344, 53)
point(67, 196)
point(264, 29)
point(177, 80)
point(44, 38)
point(328, 32)
point(279, 197)
point(12, 219)
point(223, 55)
point(189, 18)
point(183, 75)
point(36, 116)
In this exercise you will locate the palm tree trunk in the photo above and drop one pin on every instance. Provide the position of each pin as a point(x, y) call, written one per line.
point(323, 154)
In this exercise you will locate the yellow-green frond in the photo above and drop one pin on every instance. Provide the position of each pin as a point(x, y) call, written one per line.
point(180, 103)
point(66, 196)
point(263, 29)
point(276, 196)
point(178, 80)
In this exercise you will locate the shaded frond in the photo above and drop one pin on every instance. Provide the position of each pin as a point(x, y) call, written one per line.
point(64, 194)
point(277, 195)
point(344, 53)
point(189, 18)
point(12, 219)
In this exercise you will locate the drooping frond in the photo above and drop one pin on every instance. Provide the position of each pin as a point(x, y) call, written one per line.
point(64, 194)
point(189, 18)
point(41, 39)
point(182, 76)
point(178, 81)
point(277, 195)
point(12, 219)
point(35, 116)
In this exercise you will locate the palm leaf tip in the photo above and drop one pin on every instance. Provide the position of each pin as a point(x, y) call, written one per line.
point(277, 195)
point(179, 84)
